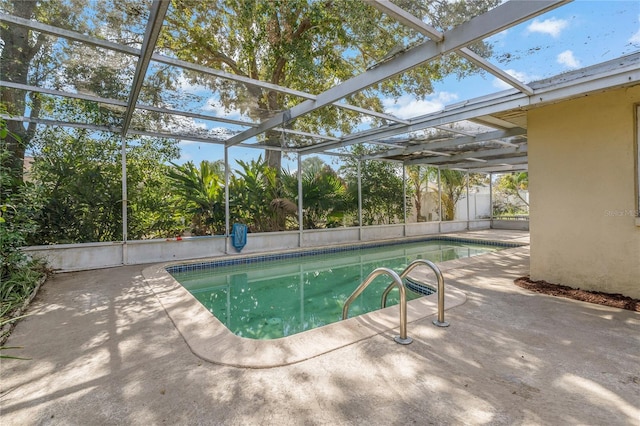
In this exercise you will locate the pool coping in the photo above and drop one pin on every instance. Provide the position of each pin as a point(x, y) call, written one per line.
point(211, 340)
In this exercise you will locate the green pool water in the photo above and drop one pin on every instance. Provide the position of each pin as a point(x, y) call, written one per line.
point(272, 299)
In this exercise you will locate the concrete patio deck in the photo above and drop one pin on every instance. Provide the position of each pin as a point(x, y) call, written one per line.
point(104, 351)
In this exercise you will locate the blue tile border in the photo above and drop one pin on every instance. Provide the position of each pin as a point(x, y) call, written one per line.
point(325, 250)
point(418, 287)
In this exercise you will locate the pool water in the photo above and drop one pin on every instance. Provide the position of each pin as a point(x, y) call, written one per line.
point(272, 299)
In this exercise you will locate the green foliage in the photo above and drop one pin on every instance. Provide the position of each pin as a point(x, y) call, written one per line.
point(509, 199)
point(77, 179)
point(15, 222)
point(453, 184)
point(417, 186)
point(36, 58)
point(200, 192)
point(27, 57)
point(324, 194)
point(453, 187)
point(382, 189)
point(151, 201)
point(5, 335)
point(306, 45)
point(258, 198)
point(511, 184)
point(18, 284)
point(19, 275)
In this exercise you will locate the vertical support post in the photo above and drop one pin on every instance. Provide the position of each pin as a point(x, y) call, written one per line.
point(439, 201)
point(404, 199)
point(300, 201)
point(125, 226)
point(157, 13)
point(226, 200)
point(468, 210)
point(490, 199)
point(359, 201)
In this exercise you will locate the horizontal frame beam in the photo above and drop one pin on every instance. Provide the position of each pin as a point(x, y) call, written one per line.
point(94, 41)
point(470, 155)
point(413, 22)
point(503, 169)
point(617, 73)
point(49, 122)
point(157, 12)
point(464, 140)
point(470, 165)
point(502, 17)
point(53, 92)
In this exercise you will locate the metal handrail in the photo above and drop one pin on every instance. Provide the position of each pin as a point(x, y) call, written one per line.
point(397, 281)
point(440, 322)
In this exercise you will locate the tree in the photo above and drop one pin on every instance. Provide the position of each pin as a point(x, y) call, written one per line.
point(201, 190)
point(453, 185)
point(35, 58)
point(151, 202)
point(513, 183)
point(382, 188)
point(305, 45)
point(16, 223)
point(76, 177)
point(418, 179)
point(509, 199)
point(258, 198)
point(19, 275)
point(308, 46)
point(80, 212)
point(324, 194)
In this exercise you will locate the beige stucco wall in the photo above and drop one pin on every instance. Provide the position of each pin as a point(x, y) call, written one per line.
point(583, 195)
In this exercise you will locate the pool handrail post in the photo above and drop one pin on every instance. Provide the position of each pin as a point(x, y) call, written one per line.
point(397, 281)
point(440, 322)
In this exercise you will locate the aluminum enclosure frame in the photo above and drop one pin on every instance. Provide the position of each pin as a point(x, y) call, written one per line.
point(454, 151)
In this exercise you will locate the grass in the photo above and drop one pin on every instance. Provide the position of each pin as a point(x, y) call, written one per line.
point(16, 291)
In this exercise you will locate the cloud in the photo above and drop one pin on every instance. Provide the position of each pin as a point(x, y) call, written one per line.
point(567, 59)
point(518, 75)
point(408, 106)
point(180, 123)
point(635, 39)
point(184, 84)
point(214, 106)
point(551, 26)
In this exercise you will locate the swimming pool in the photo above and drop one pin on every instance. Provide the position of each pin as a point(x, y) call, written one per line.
point(262, 298)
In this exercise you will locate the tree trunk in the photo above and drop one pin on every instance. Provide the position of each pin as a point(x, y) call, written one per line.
point(273, 157)
point(16, 58)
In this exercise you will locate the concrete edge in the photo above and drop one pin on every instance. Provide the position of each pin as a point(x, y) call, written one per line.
point(209, 339)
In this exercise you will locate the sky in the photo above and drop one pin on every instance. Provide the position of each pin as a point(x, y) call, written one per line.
point(577, 35)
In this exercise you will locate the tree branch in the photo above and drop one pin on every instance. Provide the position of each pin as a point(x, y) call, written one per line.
point(35, 113)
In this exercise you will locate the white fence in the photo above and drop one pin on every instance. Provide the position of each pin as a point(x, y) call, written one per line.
point(75, 257)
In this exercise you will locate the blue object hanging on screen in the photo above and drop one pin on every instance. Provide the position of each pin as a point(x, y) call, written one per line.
point(239, 236)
